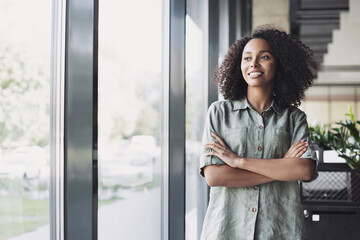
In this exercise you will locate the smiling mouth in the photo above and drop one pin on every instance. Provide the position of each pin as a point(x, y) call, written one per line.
point(255, 74)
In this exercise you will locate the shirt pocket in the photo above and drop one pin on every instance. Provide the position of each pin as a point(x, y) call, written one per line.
point(280, 142)
point(236, 140)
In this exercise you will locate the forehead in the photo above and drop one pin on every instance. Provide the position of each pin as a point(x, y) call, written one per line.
point(256, 45)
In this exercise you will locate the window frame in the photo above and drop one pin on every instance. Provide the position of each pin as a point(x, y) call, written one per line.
point(75, 79)
point(80, 120)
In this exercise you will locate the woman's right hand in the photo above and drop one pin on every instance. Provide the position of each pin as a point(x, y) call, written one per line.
point(297, 149)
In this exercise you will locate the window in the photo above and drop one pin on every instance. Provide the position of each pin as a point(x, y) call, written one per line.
point(196, 107)
point(25, 53)
point(130, 135)
point(67, 108)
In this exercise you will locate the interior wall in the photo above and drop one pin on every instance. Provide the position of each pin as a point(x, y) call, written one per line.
point(275, 12)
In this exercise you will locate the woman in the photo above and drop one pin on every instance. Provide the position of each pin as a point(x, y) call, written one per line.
point(255, 142)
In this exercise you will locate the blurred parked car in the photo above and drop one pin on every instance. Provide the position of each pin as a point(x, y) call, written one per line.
point(132, 165)
point(142, 149)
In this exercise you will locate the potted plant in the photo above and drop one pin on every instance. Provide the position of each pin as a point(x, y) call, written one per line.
point(344, 138)
point(322, 137)
point(347, 141)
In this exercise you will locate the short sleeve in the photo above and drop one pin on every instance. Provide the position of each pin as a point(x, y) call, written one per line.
point(301, 132)
point(211, 125)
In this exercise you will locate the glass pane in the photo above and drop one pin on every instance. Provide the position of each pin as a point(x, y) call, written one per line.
point(316, 105)
point(196, 107)
point(25, 49)
point(318, 112)
point(342, 98)
point(130, 92)
point(339, 109)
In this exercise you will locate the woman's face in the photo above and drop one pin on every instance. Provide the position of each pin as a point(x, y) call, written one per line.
point(258, 64)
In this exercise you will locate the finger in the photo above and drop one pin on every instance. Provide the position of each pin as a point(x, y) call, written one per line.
point(213, 144)
point(301, 152)
point(296, 148)
point(301, 145)
point(221, 141)
point(217, 147)
point(209, 154)
point(212, 154)
point(302, 142)
point(298, 145)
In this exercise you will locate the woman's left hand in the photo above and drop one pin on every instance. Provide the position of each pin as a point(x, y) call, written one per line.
point(222, 151)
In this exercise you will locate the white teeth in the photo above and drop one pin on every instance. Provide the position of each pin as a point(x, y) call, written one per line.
point(254, 73)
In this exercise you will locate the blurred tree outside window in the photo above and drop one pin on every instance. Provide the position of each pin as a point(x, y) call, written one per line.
point(25, 53)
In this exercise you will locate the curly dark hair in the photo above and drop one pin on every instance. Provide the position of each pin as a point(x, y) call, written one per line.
point(293, 75)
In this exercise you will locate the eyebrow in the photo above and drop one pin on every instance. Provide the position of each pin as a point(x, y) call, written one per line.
point(261, 51)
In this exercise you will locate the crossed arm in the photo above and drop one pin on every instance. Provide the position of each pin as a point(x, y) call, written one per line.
point(244, 172)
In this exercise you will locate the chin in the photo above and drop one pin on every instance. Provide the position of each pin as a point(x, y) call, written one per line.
point(254, 83)
point(258, 83)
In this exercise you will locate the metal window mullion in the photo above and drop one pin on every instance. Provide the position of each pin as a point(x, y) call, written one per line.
point(203, 189)
point(233, 26)
point(213, 48)
point(245, 12)
point(176, 186)
point(80, 119)
point(239, 19)
point(165, 119)
point(57, 121)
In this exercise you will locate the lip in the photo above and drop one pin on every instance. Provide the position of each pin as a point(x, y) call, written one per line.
point(255, 74)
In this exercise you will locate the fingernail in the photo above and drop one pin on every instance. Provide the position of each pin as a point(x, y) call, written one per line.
point(302, 141)
point(211, 133)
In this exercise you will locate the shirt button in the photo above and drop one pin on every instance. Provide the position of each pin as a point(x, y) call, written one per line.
point(259, 148)
point(255, 187)
point(261, 127)
point(253, 209)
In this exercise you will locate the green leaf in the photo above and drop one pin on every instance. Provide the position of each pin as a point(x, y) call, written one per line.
point(353, 164)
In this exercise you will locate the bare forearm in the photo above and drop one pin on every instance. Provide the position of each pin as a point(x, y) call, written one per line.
point(282, 169)
point(226, 176)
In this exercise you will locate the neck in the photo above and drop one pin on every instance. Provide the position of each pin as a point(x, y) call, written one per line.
point(260, 99)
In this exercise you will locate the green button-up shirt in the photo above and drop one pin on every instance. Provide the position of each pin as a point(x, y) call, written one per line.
point(267, 211)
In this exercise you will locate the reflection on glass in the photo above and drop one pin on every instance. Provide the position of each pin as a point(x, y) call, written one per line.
point(24, 119)
point(130, 51)
point(196, 107)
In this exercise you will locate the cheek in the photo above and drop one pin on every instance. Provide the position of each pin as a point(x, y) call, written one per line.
point(273, 73)
point(243, 70)
point(272, 70)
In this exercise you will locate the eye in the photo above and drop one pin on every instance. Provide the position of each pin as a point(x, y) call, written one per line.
point(247, 58)
point(266, 57)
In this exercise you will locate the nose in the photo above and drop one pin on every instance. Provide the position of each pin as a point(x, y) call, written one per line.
point(254, 62)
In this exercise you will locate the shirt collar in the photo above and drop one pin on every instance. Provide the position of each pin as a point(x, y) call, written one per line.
point(243, 104)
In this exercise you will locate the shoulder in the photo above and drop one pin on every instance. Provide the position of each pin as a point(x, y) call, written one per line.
point(221, 106)
point(295, 115)
point(295, 112)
